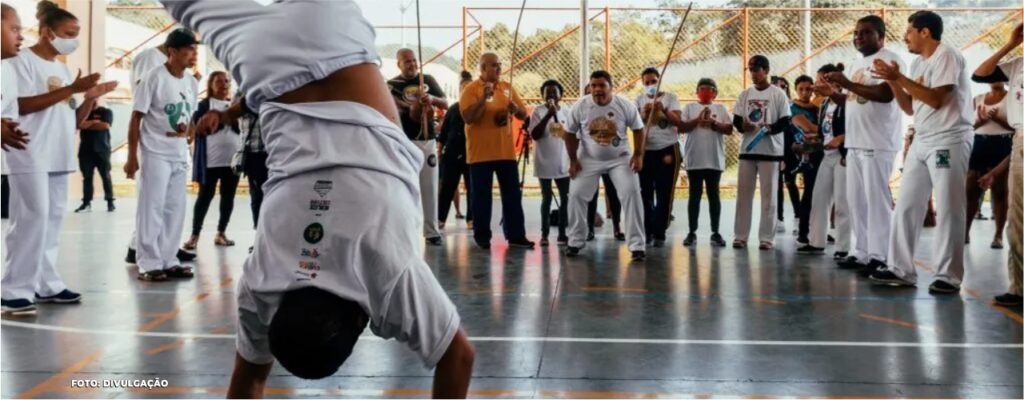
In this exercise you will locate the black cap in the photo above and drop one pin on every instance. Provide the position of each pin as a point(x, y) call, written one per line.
point(179, 38)
point(758, 61)
point(707, 82)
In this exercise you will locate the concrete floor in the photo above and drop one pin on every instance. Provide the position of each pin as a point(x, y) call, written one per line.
point(684, 323)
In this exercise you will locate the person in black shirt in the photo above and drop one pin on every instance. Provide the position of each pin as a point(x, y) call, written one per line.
point(416, 104)
point(94, 154)
point(453, 159)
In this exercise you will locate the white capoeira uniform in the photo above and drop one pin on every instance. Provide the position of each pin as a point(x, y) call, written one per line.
point(38, 176)
point(873, 137)
point(605, 154)
point(830, 185)
point(937, 160)
point(342, 201)
point(761, 163)
point(167, 103)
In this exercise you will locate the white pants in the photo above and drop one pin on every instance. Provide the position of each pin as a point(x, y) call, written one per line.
point(830, 188)
point(160, 216)
point(582, 189)
point(428, 187)
point(750, 172)
point(870, 202)
point(944, 169)
point(38, 201)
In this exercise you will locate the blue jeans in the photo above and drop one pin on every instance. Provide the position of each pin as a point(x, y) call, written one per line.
point(482, 177)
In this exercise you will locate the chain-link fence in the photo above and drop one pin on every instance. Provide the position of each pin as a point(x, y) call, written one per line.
point(715, 43)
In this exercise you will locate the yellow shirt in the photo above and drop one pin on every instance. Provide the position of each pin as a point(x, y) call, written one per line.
point(485, 139)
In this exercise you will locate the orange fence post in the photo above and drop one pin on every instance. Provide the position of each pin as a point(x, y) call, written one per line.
point(465, 40)
point(746, 43)
point(607, 40)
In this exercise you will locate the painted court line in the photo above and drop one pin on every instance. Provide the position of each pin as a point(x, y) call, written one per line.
point(535, 339)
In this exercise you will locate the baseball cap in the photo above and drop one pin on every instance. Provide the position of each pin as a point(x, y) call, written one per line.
point(759, 61)
point(180, 37)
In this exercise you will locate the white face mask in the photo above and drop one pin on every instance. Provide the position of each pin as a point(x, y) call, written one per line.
point(64, 46)
point(651, 90)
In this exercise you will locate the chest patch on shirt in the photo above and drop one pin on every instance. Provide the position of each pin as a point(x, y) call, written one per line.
point(604, 130)
point(942, 158)
point(757, 110)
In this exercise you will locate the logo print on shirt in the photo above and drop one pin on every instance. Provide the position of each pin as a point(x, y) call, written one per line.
point(942, 158)
point(757, 110)
point(313, 233)
point(603, 130)
point(322, 188)
point(319, 205)
point(178, 114)
point(858, 78)
point(311, 253)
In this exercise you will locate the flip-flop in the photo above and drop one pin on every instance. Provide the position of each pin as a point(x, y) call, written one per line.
point(152, 276)
point(179, 272)
point(223, 241)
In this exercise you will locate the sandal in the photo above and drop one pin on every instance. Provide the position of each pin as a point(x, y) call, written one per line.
point(766, 246)
point(191, 243)
point(152, 276)
point(223, 241)
point(739, 244)
point(179, 272)
point(997, 244)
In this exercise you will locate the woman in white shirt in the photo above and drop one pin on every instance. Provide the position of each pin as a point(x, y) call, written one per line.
point(551, 162)
point(212, 163)
point(39, 174)
point(993, 138)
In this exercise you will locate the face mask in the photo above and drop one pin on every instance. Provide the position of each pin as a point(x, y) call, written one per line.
point(651, 90)
point(706, 95)
point(64, 46)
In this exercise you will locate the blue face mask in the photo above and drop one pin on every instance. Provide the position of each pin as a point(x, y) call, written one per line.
point(651, 90)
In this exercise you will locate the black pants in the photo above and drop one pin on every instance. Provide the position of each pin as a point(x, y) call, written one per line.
point(656, 188)
point(810, 176)
point(613, 201)
point(88, 162)
point(699, 180)
point(256, 172)
point(228, 185)
point(5, 197)
point(482, 177)
point(452, 169)
point(545, 206)
point(787, 182)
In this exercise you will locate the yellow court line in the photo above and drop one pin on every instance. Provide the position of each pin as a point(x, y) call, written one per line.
point(62, 376)
point(977, 295)
point(897, 322)
point(164, 347)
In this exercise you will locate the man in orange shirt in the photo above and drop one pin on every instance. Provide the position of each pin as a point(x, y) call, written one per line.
point(487, 104)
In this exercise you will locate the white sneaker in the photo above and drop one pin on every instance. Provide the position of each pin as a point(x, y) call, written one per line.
point(780, 226)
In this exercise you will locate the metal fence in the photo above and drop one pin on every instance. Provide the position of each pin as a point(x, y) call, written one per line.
point(716, 43)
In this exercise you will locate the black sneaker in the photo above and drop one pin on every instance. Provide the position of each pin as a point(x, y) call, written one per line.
point(639, 255)
point(691, 239)
point(831, 240)
point(872, 267)
point(942, 287)
point(808, 249)
point(110, 206)
point(544, 242)
point(17, 305)
point(521, 243)
point(620, 236)
point(887, 277)
point(64, 297)
point(850, 262)
point(130, 257)
point(84, 207)
point(572, 251)
point(803, 241)
point(590, 236)
point(434, 241)
point(185, 256)
point(717, 240)
point(563, 240)
point(840, 255)
point(1008, 300)
point(658, 243)
point(484, 245)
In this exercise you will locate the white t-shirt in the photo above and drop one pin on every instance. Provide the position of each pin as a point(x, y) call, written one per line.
point(991, 127)
point(222, 145)
point(952, 122)
point(9, 91)
point(168, 103)
point(145, 61)
point(51, 146)
point(662, 133)
point(241, 31)
point(550, 160)
point(602, 129)
point(1014, 69)
point(705, 148)
point(869, 124)
point(762, 108)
